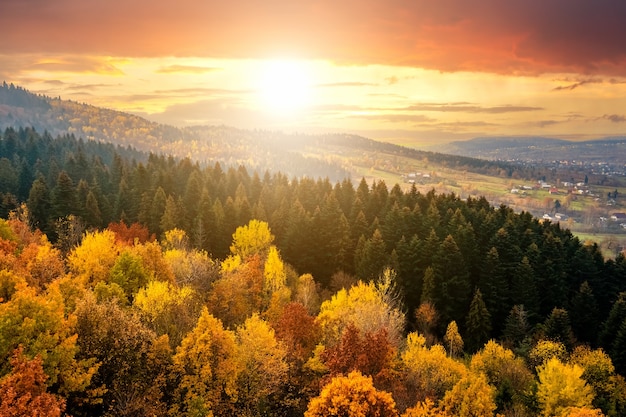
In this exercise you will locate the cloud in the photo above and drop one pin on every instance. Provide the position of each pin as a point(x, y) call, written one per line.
point(85, 86)
point(346, 84)
point(75, 64)
point(392, 80)
point(185, 92)
point(394, 118)
point(573, 84)
point(171, 69)
point(470, 108)
point(615, 118)
point(546, 123)
point(510, 37)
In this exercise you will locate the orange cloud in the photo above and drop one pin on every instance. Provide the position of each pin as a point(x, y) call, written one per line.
point(512, 37)
point(186, 68)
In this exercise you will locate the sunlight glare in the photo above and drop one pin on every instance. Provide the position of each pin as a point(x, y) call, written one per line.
point(284, 86)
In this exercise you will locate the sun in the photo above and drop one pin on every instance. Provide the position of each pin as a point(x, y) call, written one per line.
point(285, 86)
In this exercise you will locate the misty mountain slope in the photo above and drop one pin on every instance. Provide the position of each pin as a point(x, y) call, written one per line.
point(536, 148)
point(330, 155)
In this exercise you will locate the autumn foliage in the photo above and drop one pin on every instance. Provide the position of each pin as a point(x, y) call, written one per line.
point(23, 392)
point(232, 293)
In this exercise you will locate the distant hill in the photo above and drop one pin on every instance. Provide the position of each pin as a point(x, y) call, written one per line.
point(536, 148)
point(336, 156)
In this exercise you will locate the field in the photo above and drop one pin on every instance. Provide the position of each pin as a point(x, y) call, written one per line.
point(583, 212)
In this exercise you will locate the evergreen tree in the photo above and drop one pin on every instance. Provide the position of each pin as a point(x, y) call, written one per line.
point(585, 314)
point(493, 285)
point(410, 277)
point(452, 289)
point(39, 205)
point(428, 290)
point(373, 258)
point(478, 323)
point(611, 326)
point(618, 349)
point(64, 197)
point(516, 327)
point(557, 328)
point(157, 208)
point(171, 215)
point(93, 215)
point(524, 290)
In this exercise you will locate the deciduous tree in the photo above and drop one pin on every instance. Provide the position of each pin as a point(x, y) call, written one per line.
point(453, 339)
point(206, 369)
point(263, 367)
point(561, 386)
point(23, 392)
point(352, 395)
point(430, 371)
point(365, 307)
point(254, 238)
point(472, 396)
point(95, 256)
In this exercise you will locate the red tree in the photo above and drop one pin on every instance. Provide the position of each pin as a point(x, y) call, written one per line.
point(23, 391)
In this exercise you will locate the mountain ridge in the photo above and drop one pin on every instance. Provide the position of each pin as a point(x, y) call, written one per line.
point(538, 148)
point(295, 154)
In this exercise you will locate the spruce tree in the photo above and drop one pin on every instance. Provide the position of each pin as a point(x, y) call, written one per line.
point(452, 287)
point(516, 328)
point(557, 328)
point(64, 197)
point(611, 326)
point(478, 323)
point(585, 314)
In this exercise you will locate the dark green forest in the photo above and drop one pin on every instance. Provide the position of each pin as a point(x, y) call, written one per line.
point(530, 286)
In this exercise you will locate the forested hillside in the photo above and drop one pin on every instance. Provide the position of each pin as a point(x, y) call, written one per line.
point(136, 284)
point(290, 153)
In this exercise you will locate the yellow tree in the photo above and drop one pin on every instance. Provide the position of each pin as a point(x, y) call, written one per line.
point(95, 256)
point(274, 271)
point(207, 368)
point(453, 339)
point(263, 366)
point(425, 408)
point(561, 386)
point(472, 396)
point(191, 267)
point(352, 395)
point(506, 372)
point(10, 283)
point(167, 309)
point(38, 323)
point(599, 373)
point(156, 267)
point(307, 293)
point(582, 412)
point(545, 350)
point(365, 307)
point(254, 238)
point(430, 371)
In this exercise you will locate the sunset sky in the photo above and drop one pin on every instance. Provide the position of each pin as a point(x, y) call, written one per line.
point(415, 72)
